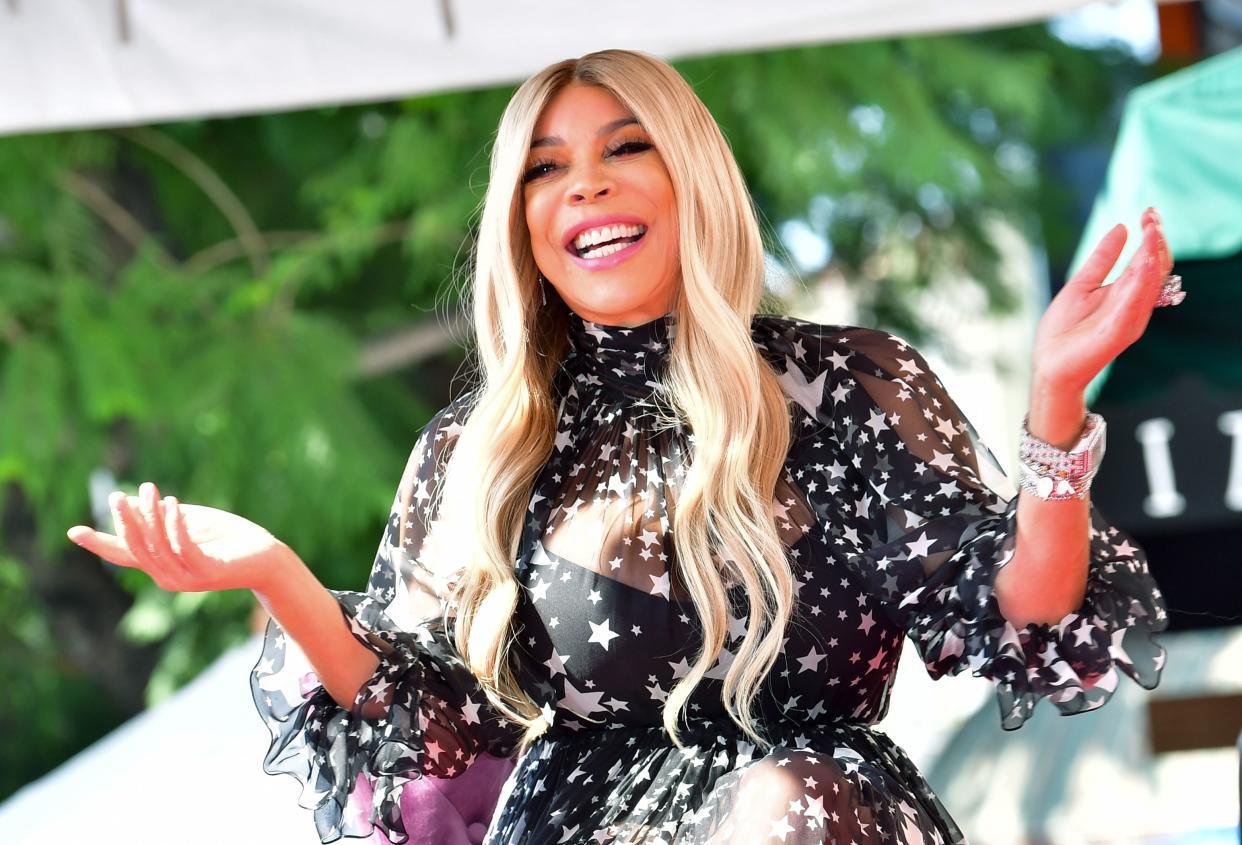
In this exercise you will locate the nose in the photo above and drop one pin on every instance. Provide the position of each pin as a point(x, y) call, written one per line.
point(589, 185)
point(581, 196)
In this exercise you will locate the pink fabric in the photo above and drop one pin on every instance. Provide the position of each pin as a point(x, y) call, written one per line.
point(444, 811)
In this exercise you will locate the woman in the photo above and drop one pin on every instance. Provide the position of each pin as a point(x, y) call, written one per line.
point(585, 623)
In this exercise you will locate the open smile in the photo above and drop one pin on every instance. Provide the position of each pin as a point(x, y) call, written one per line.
point(607, 249)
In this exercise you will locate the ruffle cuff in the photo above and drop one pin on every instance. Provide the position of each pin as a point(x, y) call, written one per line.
point(957, 624)
point(419, 714)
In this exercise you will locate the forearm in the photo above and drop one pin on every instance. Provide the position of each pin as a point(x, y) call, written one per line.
point(311, 616)
point(1047, 577)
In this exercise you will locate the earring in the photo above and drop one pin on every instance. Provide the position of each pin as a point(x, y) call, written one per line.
point(543, 292)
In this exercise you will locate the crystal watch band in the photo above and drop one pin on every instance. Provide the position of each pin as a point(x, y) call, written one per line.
point(1053, 473)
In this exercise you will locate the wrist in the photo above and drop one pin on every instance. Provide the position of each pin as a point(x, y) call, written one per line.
point(278, 573)
point(1057, 413)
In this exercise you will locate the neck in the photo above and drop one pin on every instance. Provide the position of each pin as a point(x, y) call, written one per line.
point(621, 359)
point(628, 320)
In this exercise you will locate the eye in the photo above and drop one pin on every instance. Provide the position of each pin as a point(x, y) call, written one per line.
point(536, 169)
point(542, 167)
point(632, 146)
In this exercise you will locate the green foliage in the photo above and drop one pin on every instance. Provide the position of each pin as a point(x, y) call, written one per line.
point(898, 151)
point(185, 303)
point(46, 712)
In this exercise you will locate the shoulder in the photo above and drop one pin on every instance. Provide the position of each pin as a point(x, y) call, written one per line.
point(833, 349)
point(440, 432)
point(837, 371)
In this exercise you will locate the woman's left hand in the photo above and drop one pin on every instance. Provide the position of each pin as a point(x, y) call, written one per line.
point(1087, 325)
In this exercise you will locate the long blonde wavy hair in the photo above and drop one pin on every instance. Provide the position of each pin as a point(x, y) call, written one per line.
point(718, 384)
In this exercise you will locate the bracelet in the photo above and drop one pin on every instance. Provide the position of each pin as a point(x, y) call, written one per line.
point(1056, 474)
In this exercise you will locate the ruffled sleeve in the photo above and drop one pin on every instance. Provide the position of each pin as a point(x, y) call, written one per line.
point(927, 518)
point(422, 714)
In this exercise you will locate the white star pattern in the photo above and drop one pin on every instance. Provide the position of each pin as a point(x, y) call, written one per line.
point(890, 535)
point(601, 633)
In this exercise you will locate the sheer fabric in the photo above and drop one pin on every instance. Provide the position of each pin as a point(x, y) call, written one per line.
point(421, 717)
point(897, 519)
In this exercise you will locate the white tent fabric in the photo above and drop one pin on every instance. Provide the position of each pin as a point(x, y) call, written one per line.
point(187, 771)
point(69, 64)
point(1092, 777)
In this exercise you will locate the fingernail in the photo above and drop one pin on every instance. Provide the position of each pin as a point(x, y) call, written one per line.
point(75, 536)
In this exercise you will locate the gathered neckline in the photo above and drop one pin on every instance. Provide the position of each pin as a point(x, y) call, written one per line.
point(628, 360)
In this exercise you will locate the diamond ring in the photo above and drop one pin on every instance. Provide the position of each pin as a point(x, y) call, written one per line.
point(1171, 293)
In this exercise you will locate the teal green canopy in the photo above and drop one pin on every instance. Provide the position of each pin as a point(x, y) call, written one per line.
point(1179, 149)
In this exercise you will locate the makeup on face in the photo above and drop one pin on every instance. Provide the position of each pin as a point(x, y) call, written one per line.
point(600, 208)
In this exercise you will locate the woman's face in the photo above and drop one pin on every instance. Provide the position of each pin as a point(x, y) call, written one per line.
point(600, 209)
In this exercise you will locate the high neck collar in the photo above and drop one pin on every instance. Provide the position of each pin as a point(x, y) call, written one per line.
point(619, 359)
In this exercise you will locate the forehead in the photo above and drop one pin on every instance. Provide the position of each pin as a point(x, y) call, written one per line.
point(579, 107)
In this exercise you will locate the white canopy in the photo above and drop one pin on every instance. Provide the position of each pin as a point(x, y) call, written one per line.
point(188, 771)
point(69, 64)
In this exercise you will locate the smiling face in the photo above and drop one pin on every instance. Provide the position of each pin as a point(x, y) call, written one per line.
point(600, 209)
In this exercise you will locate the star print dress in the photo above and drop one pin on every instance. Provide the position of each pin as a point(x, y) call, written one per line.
point(896, 518)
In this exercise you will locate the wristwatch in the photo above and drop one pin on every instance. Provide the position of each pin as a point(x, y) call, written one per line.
point(1055, 474)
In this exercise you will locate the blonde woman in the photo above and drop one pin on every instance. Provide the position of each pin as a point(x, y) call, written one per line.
point(648, 579)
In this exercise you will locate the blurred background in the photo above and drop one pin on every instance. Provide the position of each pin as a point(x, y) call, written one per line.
point(232, 235)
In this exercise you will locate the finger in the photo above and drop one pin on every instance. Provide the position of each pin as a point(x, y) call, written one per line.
point(188, 551)
point(1166, 254)
point(1164, 257)
point(1139, 286)
point(1101, 260)
point(1155, 269)
point(168, 562)
point(1168, 251)
point(115, 500)
point(130, 532)
point(178, 533)
point(107, 546)
point(1165, 263)
point(153, 524)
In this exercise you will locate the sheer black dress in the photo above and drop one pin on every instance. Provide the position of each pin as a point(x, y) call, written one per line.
point(897, 519)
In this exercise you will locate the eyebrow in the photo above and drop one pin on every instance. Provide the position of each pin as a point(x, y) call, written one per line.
point(607, 128)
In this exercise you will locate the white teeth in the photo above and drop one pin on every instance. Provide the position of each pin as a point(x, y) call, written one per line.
point(606, 233)
point(607, 249)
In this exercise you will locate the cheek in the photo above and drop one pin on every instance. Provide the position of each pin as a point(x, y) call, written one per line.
point(544, 232)
point(537, 220)
point(666, 202)
point(659, 190)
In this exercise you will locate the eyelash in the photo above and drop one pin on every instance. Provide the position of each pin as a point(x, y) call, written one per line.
point(533, 171)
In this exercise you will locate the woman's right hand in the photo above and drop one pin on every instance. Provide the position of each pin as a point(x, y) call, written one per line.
point(185, 548)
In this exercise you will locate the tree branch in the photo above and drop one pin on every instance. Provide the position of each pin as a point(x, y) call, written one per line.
point(216, 189)
point(112, 213)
